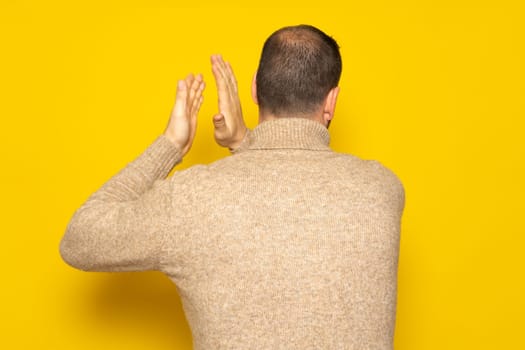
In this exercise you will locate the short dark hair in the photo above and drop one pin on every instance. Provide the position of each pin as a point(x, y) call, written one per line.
point(299, 65)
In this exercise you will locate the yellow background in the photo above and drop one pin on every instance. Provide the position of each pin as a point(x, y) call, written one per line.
point(432, 89)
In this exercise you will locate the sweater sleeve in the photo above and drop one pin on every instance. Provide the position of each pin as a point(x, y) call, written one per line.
point(121, 226)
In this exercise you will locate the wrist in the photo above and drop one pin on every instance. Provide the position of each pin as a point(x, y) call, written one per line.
point(171, 138)
point(240, 141)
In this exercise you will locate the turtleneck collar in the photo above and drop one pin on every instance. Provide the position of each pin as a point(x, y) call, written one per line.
point(291, 133)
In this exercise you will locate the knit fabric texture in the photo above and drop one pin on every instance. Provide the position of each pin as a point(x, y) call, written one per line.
point(285, 244)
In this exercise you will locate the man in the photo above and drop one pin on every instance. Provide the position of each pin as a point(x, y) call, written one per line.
point(285, 244)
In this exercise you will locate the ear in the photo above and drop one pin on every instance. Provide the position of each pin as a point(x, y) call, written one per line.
point(329, 105)
point(254, 89)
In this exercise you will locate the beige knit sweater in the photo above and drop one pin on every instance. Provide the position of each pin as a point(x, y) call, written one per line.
point(285, 244)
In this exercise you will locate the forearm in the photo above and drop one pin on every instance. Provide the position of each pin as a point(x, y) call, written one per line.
point(112, 231)
point(138, 176)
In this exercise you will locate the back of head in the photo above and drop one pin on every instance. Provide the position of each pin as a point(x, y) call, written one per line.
point(299, 65)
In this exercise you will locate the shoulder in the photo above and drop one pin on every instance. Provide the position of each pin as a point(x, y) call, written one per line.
point(390, 181)
point(199, 176)
point(372, 168)
point(385, 172)
point(371, 172)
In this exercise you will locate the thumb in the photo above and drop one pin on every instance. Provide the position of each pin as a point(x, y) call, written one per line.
point(218, 121)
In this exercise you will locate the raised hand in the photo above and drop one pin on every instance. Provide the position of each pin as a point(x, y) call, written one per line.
point(183, 120)
point(229, 126)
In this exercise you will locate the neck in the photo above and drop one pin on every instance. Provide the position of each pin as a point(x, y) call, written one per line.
point(290, 133)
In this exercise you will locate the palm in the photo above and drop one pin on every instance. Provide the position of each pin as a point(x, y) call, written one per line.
point(183, 120)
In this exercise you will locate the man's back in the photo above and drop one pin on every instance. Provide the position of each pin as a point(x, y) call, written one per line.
point(286, 245)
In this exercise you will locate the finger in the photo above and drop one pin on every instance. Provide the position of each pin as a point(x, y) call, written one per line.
point(180, 100)
point(195, 87)
point(226, 73)
point(217, 74)
point(213, 59)
point(231, 83)
point(200, 89)
point(198, 78)
point(231, 76)
point(217, 67)
point(223, 91)
point(194, 118)
point(198, 98)
point(215, 64)
point(223, 68)
point(201, 99)
point(189, 80)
